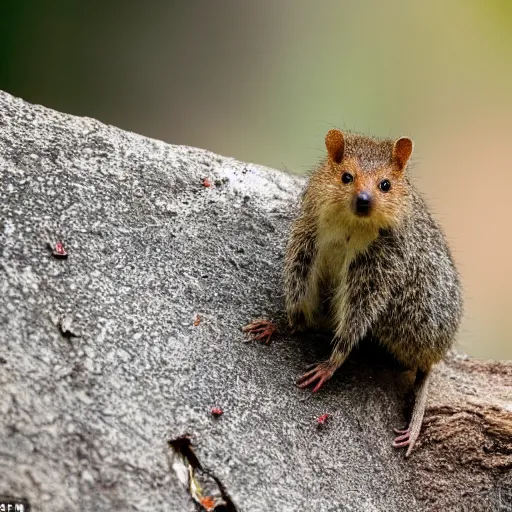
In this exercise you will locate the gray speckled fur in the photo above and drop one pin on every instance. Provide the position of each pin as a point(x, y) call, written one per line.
point(404, 289)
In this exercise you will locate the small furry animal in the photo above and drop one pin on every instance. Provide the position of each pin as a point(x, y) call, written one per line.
point(366, 258)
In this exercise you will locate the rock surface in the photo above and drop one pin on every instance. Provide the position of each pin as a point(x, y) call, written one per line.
point(101, 363)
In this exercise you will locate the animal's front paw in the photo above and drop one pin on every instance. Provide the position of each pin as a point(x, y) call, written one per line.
point(319, 375)
point(261, 329)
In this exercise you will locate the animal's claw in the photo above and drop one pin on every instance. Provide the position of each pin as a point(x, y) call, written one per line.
point(260, 330)
point(319, 374)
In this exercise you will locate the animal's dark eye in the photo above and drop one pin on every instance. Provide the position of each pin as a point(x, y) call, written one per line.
point(346, 177)
point(385, 185)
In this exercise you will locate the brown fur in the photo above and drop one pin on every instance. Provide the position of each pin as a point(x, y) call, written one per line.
point(388, 274)
point(331, 247)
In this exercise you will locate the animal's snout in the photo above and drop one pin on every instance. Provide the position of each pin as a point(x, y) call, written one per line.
point(363, 203)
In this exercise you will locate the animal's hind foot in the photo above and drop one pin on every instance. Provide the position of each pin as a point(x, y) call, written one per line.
point(406, 438)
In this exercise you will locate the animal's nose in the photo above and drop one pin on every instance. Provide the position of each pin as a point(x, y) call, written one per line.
point(363, 203)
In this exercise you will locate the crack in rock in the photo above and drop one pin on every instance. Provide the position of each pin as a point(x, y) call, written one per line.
point(204, 487)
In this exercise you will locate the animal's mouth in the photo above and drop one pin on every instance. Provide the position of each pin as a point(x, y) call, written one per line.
point(363, 213)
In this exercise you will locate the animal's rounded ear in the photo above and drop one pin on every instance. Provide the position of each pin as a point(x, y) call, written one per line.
point(402, 150)
point(335, 144)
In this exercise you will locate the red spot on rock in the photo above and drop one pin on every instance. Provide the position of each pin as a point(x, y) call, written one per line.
point(207, 182)
point(322, 419)
point(59, 251)
point(217, 411)
point(208, 503)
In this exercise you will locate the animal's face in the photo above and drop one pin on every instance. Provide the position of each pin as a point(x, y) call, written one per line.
point(364, 180)
point(371, 195)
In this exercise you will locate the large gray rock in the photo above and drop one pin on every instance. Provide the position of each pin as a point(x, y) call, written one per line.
point(85, 420)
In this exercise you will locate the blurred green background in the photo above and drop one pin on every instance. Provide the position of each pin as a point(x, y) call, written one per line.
point(264, 81)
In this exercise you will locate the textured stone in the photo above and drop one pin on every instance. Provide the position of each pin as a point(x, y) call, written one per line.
point(101, 362)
